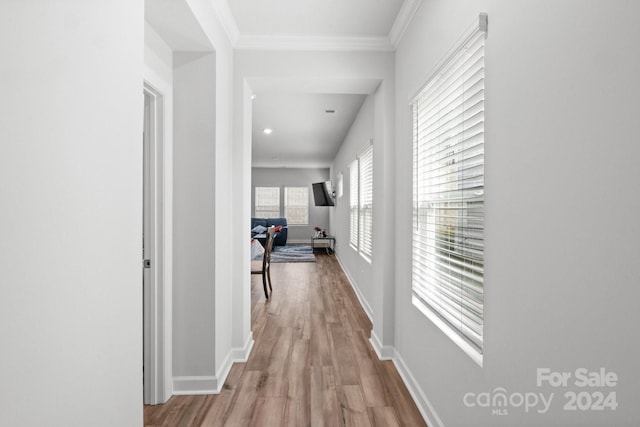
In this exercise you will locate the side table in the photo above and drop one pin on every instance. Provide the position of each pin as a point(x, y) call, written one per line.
point(330, 248)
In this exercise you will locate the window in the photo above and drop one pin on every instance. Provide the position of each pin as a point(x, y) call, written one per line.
point(296, 205)
point(366, 201)
point(267, 202)
point(340, 185)
point(361, 203)
point(448, 199)
point(353, 204)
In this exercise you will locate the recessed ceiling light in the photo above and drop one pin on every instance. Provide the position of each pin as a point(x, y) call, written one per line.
point(268, 131)
point(253, 96)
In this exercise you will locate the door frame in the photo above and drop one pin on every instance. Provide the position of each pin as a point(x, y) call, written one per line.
point(157, 342)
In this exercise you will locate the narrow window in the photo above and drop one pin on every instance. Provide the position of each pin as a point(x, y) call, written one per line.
point(296, 205)
point(267, 201)
point(448, 196)
point(353, 204)
point(366, 202)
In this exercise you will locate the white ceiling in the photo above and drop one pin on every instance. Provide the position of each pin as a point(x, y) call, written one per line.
point(175, 22)
point(303, 134)
point(355, 18)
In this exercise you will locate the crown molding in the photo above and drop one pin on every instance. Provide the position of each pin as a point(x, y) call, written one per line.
point(222, 11)
point(407, 11)
point(316, 43)
point(313, 43)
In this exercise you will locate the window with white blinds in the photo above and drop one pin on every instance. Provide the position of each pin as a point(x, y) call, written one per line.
point(448, 196)
point(296, 205)
point(366, 201)
point(267, 202)
point(353, 204)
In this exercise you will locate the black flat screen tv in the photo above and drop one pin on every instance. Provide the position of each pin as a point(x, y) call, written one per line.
point(322, 194)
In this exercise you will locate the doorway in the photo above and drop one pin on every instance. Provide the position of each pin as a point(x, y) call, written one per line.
point(156, 359)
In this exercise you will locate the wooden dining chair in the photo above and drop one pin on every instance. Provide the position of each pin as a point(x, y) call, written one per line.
point(264, 267)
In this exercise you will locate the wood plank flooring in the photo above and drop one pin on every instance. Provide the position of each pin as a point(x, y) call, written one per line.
point(311, 364)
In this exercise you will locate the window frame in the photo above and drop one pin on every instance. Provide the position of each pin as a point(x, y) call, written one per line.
point(361, 203)
point(257, 189)
point(305, 206)
point(353, 204)
point(448, 195)
point(365, 203)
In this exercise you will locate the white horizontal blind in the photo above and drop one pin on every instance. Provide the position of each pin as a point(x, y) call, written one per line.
point(296, 205)
point(267, 201)
point(353, 203)
point(448, 201)
point(366, 201)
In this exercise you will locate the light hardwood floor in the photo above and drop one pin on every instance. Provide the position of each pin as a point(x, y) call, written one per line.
point(311, 364)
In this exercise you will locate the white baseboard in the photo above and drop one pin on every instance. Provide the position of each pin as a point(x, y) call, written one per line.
point(187, 385)
point(363, 302)
point(387, 352)
point(422, 402)
point(384, 352)
point(195, 385)
point(235, 355)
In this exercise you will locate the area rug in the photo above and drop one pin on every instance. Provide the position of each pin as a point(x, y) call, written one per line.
point(292, 253)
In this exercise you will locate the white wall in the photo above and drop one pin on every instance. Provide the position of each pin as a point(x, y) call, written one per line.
point(71, 222)
point(194, 271)
point(233, 334)
point(209, 332)
point(562, 201)
point(294, 177)
point(358, 269)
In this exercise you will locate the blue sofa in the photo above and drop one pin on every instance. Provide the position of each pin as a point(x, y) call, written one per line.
point(281, 238)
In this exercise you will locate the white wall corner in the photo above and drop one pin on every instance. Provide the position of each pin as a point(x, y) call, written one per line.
point(222, 11)
point(236, 355)
point(422, 402)
point(384, 352)
point(408, 9)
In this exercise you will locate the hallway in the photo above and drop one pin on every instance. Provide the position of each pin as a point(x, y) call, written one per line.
point(311, 364)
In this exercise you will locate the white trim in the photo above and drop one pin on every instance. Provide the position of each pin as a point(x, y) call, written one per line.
point(213, 384)
point(389, 353)
point(404, 18)
point(384, 352)
point(480, 25)
point(422, 402)
point(313, 43)
point(195, 385)
point(469, 349)
point(304, 42)
point(363, 302)
point(236, 355)
point(223, 12)
point(156, 82)
point(158, 323)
